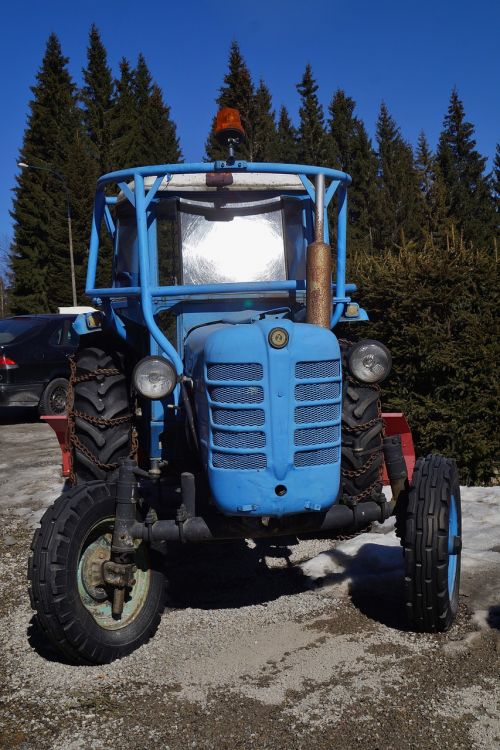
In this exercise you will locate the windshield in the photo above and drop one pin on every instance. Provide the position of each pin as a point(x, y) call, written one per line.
point(12, 329)
point(240, 243)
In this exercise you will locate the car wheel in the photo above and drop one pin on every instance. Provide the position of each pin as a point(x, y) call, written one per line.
point(53, 400)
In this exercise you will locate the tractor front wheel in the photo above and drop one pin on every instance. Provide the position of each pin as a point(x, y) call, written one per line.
point(432, 544)
point(68, 590)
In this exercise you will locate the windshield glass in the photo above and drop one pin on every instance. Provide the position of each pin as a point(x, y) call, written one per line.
point(10, 330)
point(241, 243)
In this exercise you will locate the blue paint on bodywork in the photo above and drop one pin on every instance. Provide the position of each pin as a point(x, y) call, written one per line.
point(264, 452)
point(452, 551)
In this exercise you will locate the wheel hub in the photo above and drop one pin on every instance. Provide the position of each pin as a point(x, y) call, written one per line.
point(97, 579)
point(92, 563)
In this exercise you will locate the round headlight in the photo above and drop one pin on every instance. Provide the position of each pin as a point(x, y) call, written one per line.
point(154, 377)
point(369, 361)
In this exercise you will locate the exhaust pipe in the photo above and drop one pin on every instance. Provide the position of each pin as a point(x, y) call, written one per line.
point(319, 267)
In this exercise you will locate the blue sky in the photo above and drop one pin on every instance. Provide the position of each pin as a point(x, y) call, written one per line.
point(406, 52)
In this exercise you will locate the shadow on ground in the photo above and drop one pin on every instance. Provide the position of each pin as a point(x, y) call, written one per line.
point(237, 574)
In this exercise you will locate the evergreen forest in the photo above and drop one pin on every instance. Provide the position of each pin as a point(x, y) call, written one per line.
point(422, 223)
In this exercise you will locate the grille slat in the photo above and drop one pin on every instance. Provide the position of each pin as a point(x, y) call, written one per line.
point(239, 439)
point(239, 460)
point(237, 394)
point(317, 391)
point(235, 371)
point(316, 435)
point(323, 413)
point(329, 368)
point(238, 417)
point(317, 457)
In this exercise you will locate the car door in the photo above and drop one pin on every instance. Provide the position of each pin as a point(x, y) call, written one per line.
point(60, 344)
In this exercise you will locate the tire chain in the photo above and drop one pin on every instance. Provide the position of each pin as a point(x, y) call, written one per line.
point(352, 474)
point(72, 440)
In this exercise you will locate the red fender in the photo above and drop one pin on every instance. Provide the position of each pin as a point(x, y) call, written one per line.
point(59, 425)
point(395, 424)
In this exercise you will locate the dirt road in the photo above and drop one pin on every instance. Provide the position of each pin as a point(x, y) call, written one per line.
point(260, 647)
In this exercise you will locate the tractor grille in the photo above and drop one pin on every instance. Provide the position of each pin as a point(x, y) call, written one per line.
point(330, 368)
point(317, 391)
point(319, 423)
point(238, 445)
point(316, 435)
point(322, 413)
point(316, 458)
point(237, 394)
point(239, 460)
point(235, 371)
point(238, 417)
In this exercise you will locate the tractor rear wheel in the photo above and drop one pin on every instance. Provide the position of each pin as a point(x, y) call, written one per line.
point(432, 544)
point(66, 585)
point(362, 446)
point(101, 414)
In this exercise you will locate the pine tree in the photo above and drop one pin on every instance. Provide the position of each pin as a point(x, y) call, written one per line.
point(400, 207)
point(496, 177)
point(286, 139)
point(238, 93)
point(5, 274)
point(312, 140)
point(264, 147)
point(435, 224)
point(471, 207)
point(97, 100)
point(39, 211)
point(163, 144)
point(350, 150)
point(124, 121)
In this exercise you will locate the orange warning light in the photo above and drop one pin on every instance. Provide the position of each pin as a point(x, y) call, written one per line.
point(228, 125)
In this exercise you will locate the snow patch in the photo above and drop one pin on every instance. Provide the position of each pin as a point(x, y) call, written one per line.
point(377, 557)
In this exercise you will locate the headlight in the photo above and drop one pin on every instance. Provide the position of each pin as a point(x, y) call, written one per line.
point(369, 361)
point(154, 377)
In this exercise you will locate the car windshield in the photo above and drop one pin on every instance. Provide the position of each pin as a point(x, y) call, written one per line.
point(13, 328)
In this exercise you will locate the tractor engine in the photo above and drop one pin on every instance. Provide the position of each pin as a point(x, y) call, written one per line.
point(268, 405)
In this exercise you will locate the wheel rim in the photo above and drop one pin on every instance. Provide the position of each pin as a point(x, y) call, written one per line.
point(452, 544)
point(95, 595)
point(57, 400)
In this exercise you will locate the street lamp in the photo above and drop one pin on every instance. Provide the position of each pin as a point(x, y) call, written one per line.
point(61, 177)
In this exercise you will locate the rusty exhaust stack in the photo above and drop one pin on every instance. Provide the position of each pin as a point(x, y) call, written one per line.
point(319, 267)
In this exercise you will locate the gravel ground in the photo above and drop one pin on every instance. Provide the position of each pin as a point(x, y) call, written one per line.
point(250, 653)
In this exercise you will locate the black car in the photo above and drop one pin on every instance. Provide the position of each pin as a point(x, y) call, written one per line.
point(34, 367)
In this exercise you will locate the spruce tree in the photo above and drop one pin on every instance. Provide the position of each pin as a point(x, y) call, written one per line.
point(286, 139)
point(124, 122)
point(238, 93)
point(496, 177)
point(471, 207)
point(312, 140)
point(97, 99)
point(435, 225)
point(350, 150)
point(40, 248)
point(400, 213)
point(163, 143)
point(264, 147)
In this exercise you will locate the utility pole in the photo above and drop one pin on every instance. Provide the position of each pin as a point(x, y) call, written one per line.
point(61, 177)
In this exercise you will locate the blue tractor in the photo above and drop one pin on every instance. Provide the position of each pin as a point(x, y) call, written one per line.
point(211, 400)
